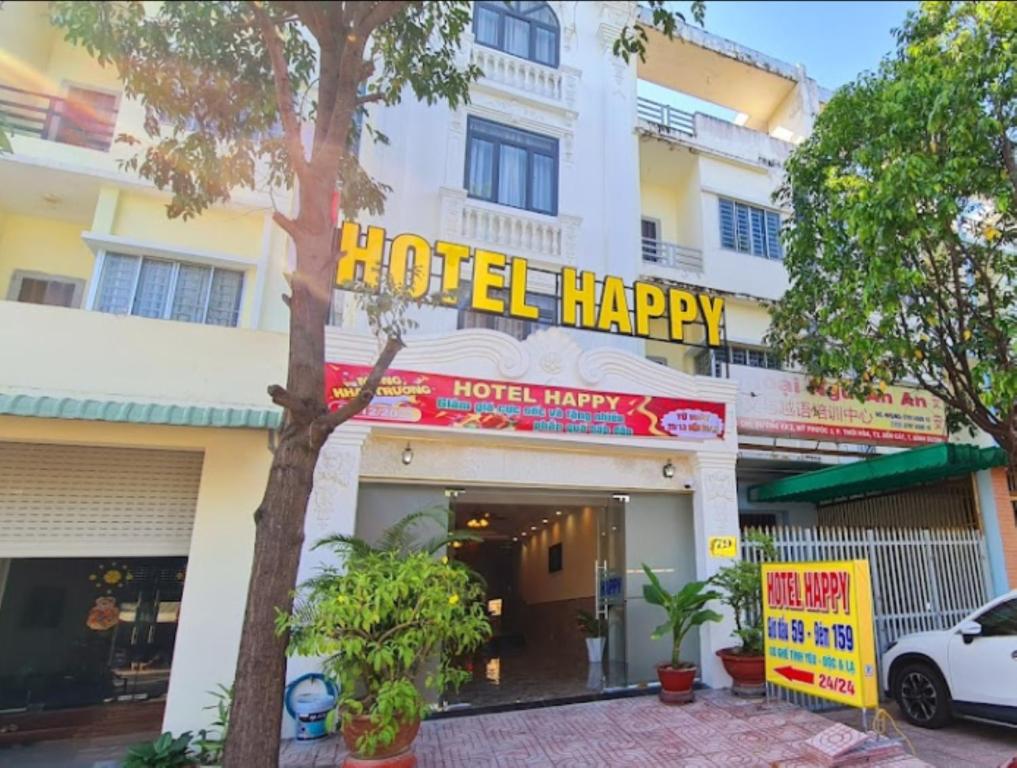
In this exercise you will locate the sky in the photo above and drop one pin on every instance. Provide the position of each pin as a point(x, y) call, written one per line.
point(835, 41)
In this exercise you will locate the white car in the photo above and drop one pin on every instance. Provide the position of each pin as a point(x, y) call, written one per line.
point(969, 670)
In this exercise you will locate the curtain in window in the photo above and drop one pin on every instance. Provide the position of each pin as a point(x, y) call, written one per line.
point(517, 37)
point(224, 298)
point(116, 284)
point(190, 294)
point(542, 193)
point(545, 46)
point(512, 176)
point(153, 288)
point(481, 169)
point(486, 28)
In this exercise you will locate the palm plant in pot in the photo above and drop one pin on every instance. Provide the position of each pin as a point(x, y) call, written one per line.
point(592, 628)
point(742, 590)
point(686, 609)
point(389, 623)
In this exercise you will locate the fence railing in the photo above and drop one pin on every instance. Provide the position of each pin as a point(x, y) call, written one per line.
point(54, 118)
point(665, 116)
point(672, 255)
point(922, 578)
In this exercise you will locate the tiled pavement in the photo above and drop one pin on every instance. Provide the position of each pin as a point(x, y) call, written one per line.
point(716, 731)
point(964, 743)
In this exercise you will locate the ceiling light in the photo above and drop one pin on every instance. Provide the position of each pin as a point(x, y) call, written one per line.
point(533, 527)
point(557, 513)
point(545, 521)
point(515, 538)
point(407, 455)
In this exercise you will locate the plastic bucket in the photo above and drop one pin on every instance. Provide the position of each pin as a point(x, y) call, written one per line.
point(310, 710)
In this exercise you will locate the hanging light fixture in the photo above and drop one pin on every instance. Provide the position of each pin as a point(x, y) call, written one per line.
point(477, 522)
point(407, 455)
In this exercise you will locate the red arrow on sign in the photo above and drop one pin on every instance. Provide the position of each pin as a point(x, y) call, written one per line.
point(791, 673)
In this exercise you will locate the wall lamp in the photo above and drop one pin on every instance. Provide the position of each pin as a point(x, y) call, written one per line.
point(407, 455)
point(668, 470)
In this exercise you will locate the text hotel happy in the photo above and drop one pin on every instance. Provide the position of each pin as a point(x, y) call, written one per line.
point(412, 260)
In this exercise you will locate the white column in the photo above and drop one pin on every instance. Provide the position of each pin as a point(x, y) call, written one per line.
point(715, 513)
point(332, 509)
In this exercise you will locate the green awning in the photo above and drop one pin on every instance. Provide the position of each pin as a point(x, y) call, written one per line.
point(134, 412)
point(884, 473)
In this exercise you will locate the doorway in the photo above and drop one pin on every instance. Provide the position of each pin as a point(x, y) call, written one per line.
point(545, 561)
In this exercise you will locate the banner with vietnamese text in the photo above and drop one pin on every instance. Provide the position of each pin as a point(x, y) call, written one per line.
point(413, 397)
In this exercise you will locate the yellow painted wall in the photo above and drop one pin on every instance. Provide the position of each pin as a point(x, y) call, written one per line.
point(233, 232)
point(41, 245)
point(738, 181)
point(747, 322)
point(577, 532)
point(26, 39)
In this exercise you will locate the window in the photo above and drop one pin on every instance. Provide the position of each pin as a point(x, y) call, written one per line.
point(1000, 620)
point(528, 30)
point(650, 232)
point(546, 304)
point(173, 290)
point(756, 520)
point(512, 167)
point(749, 229)
point(40, 288)
point(710, 362)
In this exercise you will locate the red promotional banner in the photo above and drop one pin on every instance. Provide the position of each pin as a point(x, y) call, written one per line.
point(411, 397)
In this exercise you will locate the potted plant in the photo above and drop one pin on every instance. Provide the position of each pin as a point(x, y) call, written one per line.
point(592, 628)
point(686, 609)
point(392, 621)
point(742, 590)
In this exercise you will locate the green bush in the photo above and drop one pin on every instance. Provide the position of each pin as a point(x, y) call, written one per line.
point(394, 616)
point(741, 587)
point(164, 752)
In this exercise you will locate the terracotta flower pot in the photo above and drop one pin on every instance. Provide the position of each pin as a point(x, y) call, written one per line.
point(676, 683)
point(748, 671)
point(395, 755)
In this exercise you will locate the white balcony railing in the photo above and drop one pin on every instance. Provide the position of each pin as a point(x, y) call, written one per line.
point(550, 239)
point(665, 117)
point(672, 255)
point(527, 76)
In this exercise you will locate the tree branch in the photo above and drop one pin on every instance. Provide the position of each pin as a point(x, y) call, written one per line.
point(301, 410)
point(369, 98)
point(324, 425)
point(283, 89)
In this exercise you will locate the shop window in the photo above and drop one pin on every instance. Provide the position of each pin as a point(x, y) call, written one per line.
point(40, 288)
point(749, 229)
point(546, 304)
point(521, 28)
point(511, 167)
point(172, 290)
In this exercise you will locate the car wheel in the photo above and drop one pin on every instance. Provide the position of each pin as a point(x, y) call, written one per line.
point(922, 696)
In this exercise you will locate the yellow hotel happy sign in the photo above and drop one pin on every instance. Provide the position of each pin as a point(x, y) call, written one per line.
point(498, 285)
point(818, 630)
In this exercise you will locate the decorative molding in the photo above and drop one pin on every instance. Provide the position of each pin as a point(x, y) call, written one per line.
point(547, 88)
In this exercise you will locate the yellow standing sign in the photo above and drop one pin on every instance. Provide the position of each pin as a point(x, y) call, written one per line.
point(818, 627)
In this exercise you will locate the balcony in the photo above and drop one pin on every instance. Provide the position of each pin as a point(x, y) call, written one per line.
point(666, 118)
point(548, 239)
point(672, 255)
point(86, 119)
point(547, 86)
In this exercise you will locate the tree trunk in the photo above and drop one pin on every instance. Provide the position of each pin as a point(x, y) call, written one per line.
point(259, 683)
point(261, 666)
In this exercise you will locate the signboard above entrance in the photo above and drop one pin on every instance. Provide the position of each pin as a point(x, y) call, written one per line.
point(498, 284)
point(412, 397)
point(779, 403)
point(818, 630)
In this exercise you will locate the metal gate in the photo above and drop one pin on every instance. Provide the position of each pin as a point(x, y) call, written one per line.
point(922, 578)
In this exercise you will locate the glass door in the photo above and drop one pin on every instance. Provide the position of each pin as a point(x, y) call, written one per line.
point(610, 590)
